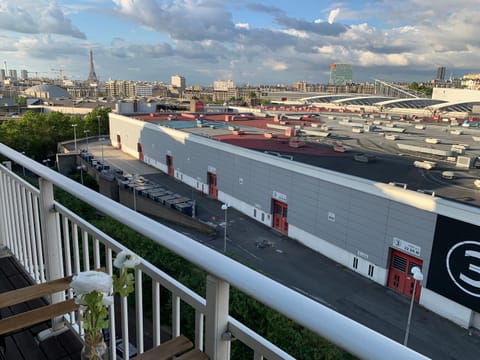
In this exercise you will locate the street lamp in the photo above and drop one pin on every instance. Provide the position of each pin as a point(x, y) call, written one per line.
point(225, 207)
point(133, 180)
point(75, 135)
point(23, 167)
point(81, 168)
point(98, 118)
point(417, 276)
point(103, 161)
point(86, 135)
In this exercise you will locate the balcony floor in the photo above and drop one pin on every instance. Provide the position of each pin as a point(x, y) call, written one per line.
point(22, 344)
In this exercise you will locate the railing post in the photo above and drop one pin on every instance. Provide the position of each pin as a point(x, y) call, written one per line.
point(3, 221)
point(217, 346)
point(52, 247)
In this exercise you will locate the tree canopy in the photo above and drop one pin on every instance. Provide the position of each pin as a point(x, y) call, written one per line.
point(37, 134)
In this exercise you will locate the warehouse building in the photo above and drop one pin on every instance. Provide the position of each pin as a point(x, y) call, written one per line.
point(378, 230)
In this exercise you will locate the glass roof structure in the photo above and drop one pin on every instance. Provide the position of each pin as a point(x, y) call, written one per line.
point(410, 103)
point(466, 106)
point(362, 100)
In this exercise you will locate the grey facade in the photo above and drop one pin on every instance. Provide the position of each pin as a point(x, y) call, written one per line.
point(354, 221)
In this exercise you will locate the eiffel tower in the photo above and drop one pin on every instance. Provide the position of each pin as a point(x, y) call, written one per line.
point(92, 77)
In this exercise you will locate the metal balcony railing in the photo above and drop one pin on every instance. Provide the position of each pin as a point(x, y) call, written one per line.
point(50, 241)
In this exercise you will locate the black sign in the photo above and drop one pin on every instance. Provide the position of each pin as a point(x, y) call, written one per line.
point(455, 262)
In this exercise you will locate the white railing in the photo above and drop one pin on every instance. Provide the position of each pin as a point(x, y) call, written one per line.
point(28, 215)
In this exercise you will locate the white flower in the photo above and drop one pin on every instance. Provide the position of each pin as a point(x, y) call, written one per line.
point(89, 281)
point(126, 259)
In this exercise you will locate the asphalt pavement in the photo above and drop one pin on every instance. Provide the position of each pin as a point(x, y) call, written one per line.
point(288, 262)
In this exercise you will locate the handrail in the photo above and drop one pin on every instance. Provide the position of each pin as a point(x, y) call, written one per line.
point(344, 332)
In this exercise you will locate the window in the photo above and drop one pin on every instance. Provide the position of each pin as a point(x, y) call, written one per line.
point(370, 270)
point(355, 262)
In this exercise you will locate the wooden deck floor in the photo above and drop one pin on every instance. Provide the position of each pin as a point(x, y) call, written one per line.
point(22, 344)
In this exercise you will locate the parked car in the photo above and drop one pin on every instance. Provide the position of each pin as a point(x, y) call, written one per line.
point(361, 157)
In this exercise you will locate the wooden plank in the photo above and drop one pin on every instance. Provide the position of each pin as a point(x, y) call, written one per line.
point(194, 354)
point(36, 316)
point(35, 291)
point(52, 346)
point(168, 349)
point(28, 347)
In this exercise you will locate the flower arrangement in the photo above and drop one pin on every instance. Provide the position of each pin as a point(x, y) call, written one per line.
point(94, 291)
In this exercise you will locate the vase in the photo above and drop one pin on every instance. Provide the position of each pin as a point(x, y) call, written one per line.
point(94, 348)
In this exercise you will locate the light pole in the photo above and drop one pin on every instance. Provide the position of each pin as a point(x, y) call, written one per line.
point(103, 161)
point(23, 167)
point(225, 208)
point(86, 135)
point(417, 276)
point(75, 135)
point(133, 180)
point(98, 118)
point(81, 172)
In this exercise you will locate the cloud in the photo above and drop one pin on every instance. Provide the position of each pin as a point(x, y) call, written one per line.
point(245, 26)
point(320, 28)
point(46, 47)
point(275, 65)
point(182, 20)
point(36, 18)
point(332, 16)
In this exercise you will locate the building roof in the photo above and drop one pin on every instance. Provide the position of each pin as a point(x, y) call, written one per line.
point(410, 103)
point(46, 91)
point(362, 100)
point(464, 106)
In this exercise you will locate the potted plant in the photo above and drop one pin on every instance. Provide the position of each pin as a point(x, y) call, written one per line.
point(94, 291)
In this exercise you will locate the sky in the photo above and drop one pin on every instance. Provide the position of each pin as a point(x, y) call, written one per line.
point(252, 43)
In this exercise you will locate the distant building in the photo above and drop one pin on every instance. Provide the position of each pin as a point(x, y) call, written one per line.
point(223, 85)
point(441, 73)
point(471, 81)
point(224, 90)
point(341, 74)
point(12, 74)
point(47, 92)
point(143, 90)
point(3, 75)
point(178, 82)
point(120, 88)
point(23, 74)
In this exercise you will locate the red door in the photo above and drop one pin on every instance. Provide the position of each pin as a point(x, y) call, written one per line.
point(140, 151)
point(400, 276)
point(119, 142)
point(280, 216)
point(212, 185)
point(170, 165)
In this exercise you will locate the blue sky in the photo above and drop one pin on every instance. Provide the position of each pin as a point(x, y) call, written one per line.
point(268, 42)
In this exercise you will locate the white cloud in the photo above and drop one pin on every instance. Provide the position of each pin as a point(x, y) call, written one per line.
point(245, 26)
point(296, 33)
point(275, 65)
point(368, 58)
point(332, 16)
point(190, 20)
point(39, 17)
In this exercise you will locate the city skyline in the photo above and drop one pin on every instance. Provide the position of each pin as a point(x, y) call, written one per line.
point(279, 42)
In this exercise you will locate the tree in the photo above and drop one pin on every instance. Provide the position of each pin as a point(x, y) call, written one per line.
point(21, 101)
point(92, 119)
